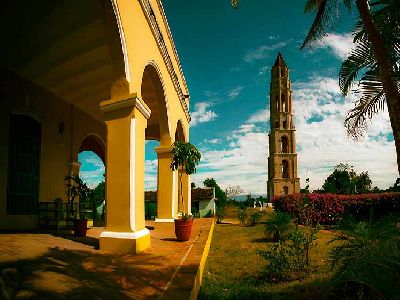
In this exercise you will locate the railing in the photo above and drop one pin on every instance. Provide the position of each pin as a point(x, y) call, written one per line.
point(61, 214)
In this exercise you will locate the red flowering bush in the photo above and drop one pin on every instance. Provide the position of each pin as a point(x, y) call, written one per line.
point(329, 208)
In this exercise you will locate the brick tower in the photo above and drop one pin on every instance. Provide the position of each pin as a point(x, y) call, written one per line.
point(282, 160)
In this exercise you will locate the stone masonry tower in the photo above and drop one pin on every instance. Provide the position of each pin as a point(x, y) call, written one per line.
point(282, 160)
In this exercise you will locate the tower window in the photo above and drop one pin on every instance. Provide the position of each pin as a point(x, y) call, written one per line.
point(285, 190)
point(276, 103)
point(285, 169)
point(276, 124)
point(284, 106)
point(284, 144)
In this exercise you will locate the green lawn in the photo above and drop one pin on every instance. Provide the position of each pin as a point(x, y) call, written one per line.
point(235, 271)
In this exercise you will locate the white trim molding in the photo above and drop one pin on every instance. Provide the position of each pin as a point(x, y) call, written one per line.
point(164, 220)
point(132, 177)
point(125, 235)
point(131, 102)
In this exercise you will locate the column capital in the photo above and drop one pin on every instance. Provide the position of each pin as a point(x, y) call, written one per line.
point(163, 150)
point(122, 106)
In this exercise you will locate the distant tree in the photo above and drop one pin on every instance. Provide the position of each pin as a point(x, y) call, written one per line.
point(344, 180)
point(219, 193)
point(193, 185)
point(395, 187)
point(234, 190)
point(306, 190)
point(98, 194)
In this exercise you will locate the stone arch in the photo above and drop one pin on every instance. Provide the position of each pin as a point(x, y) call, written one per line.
point(93, 142)
point(284, 144)
point(285, 169)
point(153, 94)
point(180, 132)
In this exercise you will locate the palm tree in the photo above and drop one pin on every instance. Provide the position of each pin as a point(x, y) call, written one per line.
point(377, 50)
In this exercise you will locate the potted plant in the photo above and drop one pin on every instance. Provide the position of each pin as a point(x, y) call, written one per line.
point(77, 188)
point(185, 157)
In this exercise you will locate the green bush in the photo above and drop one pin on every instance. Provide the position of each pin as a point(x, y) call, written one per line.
point(220, 213)
point(254, 218)
point(278, 226)
point(209, 214)
point(150, 210)
point(242, 215)
point(367, 259)
point(290, 259)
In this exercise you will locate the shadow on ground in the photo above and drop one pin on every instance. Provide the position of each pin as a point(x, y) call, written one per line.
point(62, 273)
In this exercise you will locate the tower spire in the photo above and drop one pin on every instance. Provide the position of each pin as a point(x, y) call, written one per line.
point(279, 60)
point(282, 160)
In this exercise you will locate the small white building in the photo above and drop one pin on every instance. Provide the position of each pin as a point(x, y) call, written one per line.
point(203, 200)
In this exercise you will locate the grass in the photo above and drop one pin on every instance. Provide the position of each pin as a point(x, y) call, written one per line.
point(235, 271)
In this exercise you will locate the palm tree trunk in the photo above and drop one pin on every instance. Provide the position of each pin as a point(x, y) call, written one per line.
point(386, 70)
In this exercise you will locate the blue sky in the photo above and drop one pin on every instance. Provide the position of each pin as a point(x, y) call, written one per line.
point(226, 56)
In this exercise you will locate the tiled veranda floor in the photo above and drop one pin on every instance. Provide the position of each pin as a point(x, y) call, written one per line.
point(55, 265)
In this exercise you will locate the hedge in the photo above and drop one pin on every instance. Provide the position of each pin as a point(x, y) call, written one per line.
point(329, 208)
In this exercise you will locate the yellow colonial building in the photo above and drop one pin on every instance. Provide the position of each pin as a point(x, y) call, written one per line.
point(99, 75)
point(282, 160)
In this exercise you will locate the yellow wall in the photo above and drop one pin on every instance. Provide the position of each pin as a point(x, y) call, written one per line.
point(20, 96)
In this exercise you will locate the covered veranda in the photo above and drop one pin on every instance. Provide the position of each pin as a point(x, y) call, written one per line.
point(99, 75)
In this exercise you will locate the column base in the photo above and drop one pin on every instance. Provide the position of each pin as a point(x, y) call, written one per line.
point(164, 224)
point(128, 242)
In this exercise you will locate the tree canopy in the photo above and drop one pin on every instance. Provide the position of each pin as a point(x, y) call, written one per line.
point(344, 180)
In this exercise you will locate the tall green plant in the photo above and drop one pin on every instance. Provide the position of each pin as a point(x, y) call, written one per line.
point(367, 259)
point(277, 227)
point(76, 188)
point(185, 157)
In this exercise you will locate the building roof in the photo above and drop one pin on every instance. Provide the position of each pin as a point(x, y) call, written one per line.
point(279, 61)
point(206, 193)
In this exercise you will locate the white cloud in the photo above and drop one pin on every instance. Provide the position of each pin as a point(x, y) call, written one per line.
point(202, 114)
point(339, 44)
point(324, 143)
point(232, 94)
point(213, 141)
point(263, 51)
point(259, 117)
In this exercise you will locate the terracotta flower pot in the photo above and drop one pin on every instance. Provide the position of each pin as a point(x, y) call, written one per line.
point(80, 227)
point(183, 229)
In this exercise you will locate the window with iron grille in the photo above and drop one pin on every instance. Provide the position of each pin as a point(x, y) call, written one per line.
point(23, 165)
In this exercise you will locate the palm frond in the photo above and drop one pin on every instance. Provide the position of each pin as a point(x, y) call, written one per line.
point(359, 58)
point(371, 102)
point(326, 12)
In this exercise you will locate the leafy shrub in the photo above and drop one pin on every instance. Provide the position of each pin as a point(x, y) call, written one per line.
point(278, 226)
point(150, 210)
point(329, 208)
point(289, 259)
point(277, 261)
point(208, 214)
point(220, 213)
point(254, 217)
point(242, 215)
point(196, 214)
point(367, 259)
